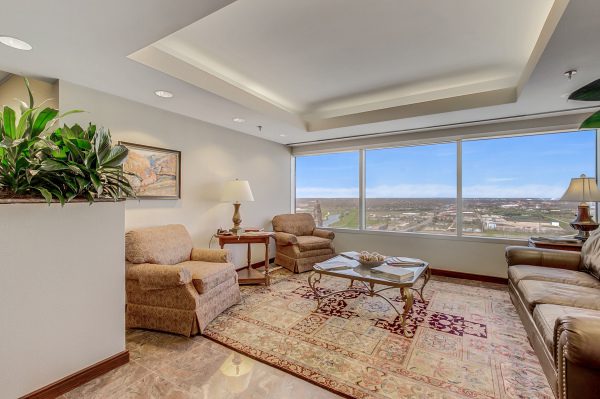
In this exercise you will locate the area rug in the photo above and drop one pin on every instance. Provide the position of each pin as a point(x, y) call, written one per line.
point(468, 341)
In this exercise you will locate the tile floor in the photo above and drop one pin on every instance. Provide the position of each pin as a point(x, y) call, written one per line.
point(173, 367)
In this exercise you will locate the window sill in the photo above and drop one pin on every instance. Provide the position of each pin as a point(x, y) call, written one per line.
point(428, 236)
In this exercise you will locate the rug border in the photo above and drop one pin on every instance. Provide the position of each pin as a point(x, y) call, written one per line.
point(258, 359)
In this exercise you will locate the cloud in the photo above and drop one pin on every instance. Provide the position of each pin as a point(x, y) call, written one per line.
point(500, 179)
point(436, 191)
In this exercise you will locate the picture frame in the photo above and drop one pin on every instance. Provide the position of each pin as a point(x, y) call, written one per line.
point(153, 172)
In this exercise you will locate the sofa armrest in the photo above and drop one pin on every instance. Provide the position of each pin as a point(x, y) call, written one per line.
point(285, 238)
point(577, 356)
point(543, 257)
point(157, 277)
point(577, 339)
point(324, 233)
point(211, 255)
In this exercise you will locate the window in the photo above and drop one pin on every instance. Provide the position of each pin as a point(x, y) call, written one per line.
point(412, 189)
point(511, 185)
point(327, 187)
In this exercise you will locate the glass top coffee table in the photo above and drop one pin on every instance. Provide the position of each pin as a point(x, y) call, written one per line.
point(367, 280)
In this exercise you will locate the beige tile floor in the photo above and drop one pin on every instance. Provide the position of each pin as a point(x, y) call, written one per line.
point(174, 367)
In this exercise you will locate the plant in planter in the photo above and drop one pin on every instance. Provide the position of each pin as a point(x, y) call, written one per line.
point(589, 92)
point(66, 163)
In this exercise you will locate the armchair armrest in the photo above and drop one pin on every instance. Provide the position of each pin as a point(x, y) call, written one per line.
point(156, 277)
point(577, 340)
point(543, 257)
point(211, 255)
point(285, 238)
point(324, 233)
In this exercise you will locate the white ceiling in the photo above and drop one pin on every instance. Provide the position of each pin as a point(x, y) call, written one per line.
point(316, 57)
point(313, 57)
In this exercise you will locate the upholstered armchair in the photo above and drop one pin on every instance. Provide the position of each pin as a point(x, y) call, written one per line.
point(173, 287)
point(300, 244)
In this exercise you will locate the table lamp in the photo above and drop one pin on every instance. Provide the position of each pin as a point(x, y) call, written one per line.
point(237, 191)
point(583, 190)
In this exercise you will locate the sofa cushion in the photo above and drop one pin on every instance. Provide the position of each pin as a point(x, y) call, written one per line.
point(545, 317)
point(591, 254)
point(535, 292)
point(207, 275)
point(298, 224)
point(165, 245)
point(294, 252)
point(527, 272)
point(310, 243)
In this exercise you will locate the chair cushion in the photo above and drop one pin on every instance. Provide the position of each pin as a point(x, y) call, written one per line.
point(535, 292)
point(591, 254)
point(527, 272)
point(208, 275)
point(310, 243)
point(545, 317)
point(298, 224)
point(164, 245)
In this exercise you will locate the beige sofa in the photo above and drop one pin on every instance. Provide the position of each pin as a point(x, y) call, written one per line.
point(299, 243)
point(557, 296)
point(173, 287)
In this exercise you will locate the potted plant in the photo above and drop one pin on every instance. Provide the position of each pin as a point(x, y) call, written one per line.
point(60, 164)
point(589, 92)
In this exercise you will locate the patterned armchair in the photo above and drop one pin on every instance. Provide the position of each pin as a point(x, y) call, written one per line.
point(299, 243)
point(172, 286)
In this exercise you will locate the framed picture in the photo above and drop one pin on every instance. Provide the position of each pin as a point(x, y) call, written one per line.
point(154, 173)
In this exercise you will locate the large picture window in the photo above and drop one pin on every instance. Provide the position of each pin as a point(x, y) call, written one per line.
point(507, 187)
point(511, 185)
point(412, 189)
point(327, 187)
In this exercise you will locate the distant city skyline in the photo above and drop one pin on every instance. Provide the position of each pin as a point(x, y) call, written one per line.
point(538, 166)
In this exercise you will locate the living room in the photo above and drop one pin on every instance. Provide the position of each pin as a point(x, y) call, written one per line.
point(232, 199)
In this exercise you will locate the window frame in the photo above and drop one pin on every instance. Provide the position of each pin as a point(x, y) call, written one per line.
point(459, 198)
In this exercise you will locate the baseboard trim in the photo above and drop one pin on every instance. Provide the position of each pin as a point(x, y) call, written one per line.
point(469, 276)
point(261, 263)
point(80, 377)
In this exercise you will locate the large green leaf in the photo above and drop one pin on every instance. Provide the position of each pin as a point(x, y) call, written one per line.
point(589, 92)
point(42, 119)
point(115, 157)
point(51, 165)
point(592, 122)
point(24, 126)
point(46, 194)
point(29, 92)
point(9, 122)
point(102, 144)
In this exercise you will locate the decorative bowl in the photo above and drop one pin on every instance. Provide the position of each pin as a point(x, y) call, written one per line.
point(372, 263)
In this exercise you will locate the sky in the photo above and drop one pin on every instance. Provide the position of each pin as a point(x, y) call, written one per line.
point(538, 166)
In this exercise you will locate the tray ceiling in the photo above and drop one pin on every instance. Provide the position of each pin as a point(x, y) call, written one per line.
point(321, 65)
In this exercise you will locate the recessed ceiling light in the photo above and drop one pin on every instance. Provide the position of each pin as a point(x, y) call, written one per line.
point(239, 120)
point(15, 43)
point(282, 135)
point(163, 93)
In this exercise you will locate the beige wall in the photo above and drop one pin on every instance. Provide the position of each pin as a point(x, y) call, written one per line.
point(62, 291)
point(13, 89)
point(211, 155)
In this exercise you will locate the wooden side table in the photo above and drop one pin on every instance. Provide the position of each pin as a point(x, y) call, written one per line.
point(566, 245)
point(248, 275)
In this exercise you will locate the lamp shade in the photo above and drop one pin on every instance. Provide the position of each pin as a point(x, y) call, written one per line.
point(237, 191)
point(582, 189)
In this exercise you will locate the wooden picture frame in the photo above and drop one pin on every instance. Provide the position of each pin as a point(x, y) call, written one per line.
point(153, 172)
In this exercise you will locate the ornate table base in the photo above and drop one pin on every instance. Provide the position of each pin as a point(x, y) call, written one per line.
point(368, 288)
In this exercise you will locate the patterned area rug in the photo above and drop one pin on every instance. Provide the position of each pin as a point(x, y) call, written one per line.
point(468, 340)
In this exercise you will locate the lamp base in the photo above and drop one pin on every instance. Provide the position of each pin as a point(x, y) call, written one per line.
point(584, 222)
point(236, 219)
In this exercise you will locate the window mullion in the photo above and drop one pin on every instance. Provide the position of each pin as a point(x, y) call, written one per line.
point(459, 186)
point(362, 190)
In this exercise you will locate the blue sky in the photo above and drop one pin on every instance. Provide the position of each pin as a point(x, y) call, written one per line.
point(531, 166)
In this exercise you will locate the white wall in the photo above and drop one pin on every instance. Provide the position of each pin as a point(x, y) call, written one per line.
point(211, 155)
point(62, 291)
point(484, 257)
